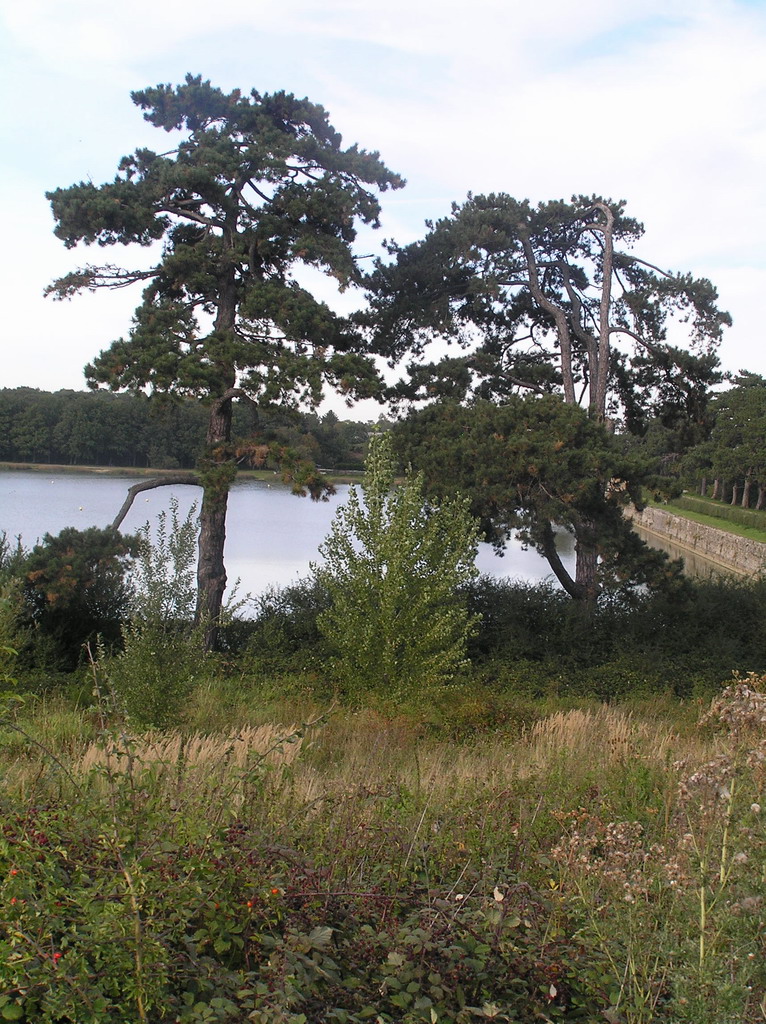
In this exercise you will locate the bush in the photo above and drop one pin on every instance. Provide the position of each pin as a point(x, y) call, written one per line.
point(75, 588)
point(155, 673)
point(395, 570)
point(284, 636)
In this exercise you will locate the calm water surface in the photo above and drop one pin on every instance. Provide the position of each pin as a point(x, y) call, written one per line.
point(272, 535)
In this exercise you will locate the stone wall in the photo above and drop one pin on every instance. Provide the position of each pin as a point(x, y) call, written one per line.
point(738, 554)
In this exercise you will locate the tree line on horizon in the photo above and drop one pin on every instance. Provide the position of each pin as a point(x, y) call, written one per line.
point(98, 428)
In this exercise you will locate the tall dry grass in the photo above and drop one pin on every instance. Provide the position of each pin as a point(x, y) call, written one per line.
point(237, 752)
point(361, 752)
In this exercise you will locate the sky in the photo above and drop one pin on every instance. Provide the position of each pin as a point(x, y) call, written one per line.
point(658, 102)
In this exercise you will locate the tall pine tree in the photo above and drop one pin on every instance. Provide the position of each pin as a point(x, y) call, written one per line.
point(256, 188)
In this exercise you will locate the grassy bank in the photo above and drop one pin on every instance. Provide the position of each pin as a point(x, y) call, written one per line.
point(714, 516)
point(601, 863)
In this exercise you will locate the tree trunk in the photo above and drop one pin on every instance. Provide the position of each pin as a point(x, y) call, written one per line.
point(219, 468)
point(547, 547)
point(600, 373)
point(734, 492)
point(703, 487)
point(216, 477)
point(716, 495)
point(761, 497)
point(586, 562)
point(746, 492)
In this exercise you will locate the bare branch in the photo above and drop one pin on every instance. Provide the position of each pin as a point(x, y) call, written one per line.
point(244, 201)
point(264, 197)
point(559, 316)
point(211, 222)
point(637, 338)
point(520, 383)
point(645, 263)
point(149, 485)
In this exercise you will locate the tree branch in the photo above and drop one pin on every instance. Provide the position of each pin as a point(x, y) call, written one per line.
point(264, 197)
point(548, 543)
point(645, 263)
point(91, 278)
point(149, 485)
point(632, 334)
point(559, 317)
point(227, 396)
point(210, 222)
point(520, 383)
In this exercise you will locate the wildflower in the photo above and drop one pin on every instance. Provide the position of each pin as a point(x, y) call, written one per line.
point(57, 957)
point(14, 871)
point(275, 892)
point(250, 904)
point(755, 808)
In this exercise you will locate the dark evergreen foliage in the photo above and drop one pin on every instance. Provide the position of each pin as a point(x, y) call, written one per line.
point(528, 463)
point(548, 300)
point(74, 589)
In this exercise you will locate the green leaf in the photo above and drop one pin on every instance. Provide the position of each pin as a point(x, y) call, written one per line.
point(320, 937)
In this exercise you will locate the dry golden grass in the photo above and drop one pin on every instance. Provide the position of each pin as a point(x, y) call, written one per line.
point(363, 756)
point(355, 754)
point(605, 733)
point(277, 745)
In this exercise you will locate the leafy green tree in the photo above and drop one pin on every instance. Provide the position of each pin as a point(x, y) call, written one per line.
point(79, 433)
point(30, 435)
point(546, 300)
point(154, 673)
point(256, 188)
point(395, 568)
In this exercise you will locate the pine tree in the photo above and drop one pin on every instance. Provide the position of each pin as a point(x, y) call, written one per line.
point(256, 188)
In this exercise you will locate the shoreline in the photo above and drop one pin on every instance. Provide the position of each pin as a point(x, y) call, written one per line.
point(729, 551)
point(339, 477)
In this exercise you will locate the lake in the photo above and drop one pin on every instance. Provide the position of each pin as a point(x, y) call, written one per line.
point(272, 535)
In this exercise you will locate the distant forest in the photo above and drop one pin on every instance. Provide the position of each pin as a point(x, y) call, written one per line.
point(98, 428)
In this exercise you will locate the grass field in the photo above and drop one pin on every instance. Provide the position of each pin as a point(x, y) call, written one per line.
point(601, 863)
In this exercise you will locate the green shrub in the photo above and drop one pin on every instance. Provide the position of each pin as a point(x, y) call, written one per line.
point(284, 635)
point(164, 575)
point(161, 660)
point(75, 587)
point(155, 673)
point(395, 570)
